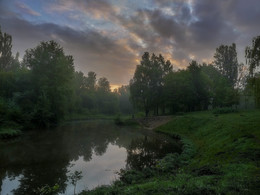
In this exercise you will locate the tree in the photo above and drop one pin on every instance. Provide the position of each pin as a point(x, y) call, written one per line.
point(103, 85)
point(200, 87)
point(178, 92)
point(253, 59)
point(187, 90)
point(91, 81)
point(197, 88)
point(252, 54)
point(107, 102)
point(221, 92)
point(146, 85)
point(79, 88)
point(52, 73)
point(5, 50)
point(123, 93)
point(226, 62)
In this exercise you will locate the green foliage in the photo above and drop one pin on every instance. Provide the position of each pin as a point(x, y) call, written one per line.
point(5, 51)
point(91, 81)
point(103, 85)
point(123, 93)
point(220, 156)
point(107, 102)
point(222, 93)
point(224, 110)
point(170, 163)
point(52, 73)
point(74, 178)
point(132, 176)
point(222, 142)
point(93, 98)
point(118, 120)
point(178, 92)
point(139, 115)
point(226, 62)
point(10, 114)
point(7, 84)
point(146, 85)
point(126, 121)
point(198, 88)
point(187, 90)
point(6, 133)
point(101, 190)
point(252, 54)
point(253, 85)
point(47, 190)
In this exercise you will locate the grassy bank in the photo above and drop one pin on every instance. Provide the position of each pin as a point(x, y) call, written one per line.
point(6, 133)
point(122, 120)
point(74, 117)
point(221, 156)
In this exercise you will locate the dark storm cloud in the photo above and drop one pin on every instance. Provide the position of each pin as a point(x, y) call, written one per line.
point(166, 26)
point(224, 22)
point(244, 13)
point(197, 28)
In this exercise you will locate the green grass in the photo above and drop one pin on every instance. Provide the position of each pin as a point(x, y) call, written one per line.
point(221, 156)
point(9, 133)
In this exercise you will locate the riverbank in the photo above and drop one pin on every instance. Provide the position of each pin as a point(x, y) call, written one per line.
point(153, 122)
point(221, 156)
point(6, 133)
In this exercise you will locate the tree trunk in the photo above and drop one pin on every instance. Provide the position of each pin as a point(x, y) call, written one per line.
point(146, 112)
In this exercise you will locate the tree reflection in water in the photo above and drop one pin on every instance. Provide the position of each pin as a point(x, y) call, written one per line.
point(144, 152)
point(45, 157)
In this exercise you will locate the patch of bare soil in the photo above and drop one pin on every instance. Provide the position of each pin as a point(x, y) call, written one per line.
point(153, 122)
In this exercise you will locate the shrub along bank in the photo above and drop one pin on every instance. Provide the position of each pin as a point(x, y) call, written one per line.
point(221, 155)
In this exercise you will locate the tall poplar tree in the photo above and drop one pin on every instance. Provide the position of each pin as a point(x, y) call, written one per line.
point(253, 59)
point(5, 50)
point(226, 62)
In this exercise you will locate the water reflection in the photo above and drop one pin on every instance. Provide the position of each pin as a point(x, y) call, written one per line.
point(97, 148)
point(144, 152)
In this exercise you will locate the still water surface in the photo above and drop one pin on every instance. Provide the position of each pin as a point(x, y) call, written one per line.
point(96, 148)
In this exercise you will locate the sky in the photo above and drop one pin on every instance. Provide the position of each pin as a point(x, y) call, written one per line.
point(110, 36)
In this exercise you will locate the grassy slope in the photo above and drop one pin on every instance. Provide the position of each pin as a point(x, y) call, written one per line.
point(226, 158)
point(228, 144)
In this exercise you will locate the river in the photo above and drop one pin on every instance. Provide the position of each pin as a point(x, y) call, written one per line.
point(95, 148)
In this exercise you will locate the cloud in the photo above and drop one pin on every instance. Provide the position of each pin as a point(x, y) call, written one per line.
point(190, 29)
point(26, 9)
point(96, 9)
point(91, 50)
point(110, 38)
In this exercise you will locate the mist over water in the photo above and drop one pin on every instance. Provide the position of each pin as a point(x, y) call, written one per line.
point(96, 148)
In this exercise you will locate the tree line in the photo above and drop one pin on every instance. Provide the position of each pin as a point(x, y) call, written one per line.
point(157, 89)
point(44, 87)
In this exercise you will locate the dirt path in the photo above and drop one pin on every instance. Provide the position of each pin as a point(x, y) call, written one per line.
point(153, 122)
